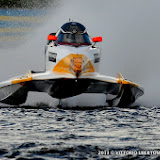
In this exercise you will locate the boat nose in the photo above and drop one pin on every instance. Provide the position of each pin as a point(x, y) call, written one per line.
point(76, 65)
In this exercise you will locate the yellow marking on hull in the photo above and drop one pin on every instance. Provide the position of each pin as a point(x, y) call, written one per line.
point(65, 65)
point(21, 18)
point(122, 81)
point(21, 80)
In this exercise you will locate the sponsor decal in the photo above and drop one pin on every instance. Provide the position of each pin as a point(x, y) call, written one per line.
point(96, 58)
point(52, 56)
point(73, 64)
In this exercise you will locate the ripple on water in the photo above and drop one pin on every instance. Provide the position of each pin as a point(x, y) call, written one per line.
point(32, 133)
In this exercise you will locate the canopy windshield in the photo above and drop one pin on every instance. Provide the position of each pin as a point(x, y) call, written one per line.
point(73, 33)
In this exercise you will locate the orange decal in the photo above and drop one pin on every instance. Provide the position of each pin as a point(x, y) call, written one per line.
point(74, 64)
point(21, 80)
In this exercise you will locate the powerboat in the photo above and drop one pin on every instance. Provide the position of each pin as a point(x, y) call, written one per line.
point(72, 68)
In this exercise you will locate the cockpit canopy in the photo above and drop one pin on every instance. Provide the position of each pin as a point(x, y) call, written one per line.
point(73, 33)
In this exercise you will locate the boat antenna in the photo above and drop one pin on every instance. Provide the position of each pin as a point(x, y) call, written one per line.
point(70, 20)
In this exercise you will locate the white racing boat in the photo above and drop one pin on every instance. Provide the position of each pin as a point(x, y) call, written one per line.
point(72, 65)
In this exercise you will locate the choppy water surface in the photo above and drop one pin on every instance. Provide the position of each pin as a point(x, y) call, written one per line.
point(53, 133)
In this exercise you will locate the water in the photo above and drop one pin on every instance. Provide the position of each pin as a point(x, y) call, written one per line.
point(130, 31)
point(54, 133)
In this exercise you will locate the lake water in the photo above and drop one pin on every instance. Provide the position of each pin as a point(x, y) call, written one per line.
point(39, 132)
